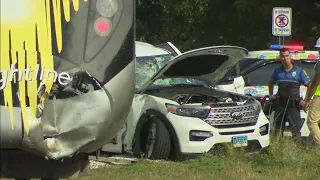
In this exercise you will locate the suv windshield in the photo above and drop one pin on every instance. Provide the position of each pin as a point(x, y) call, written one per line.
point(170, 82)
point(148, 66)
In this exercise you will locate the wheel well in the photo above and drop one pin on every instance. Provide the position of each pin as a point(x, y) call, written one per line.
point(143, 133)
point(143, 121)
point(173, 135)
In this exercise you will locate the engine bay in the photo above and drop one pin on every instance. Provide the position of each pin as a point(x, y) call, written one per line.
point(201, 96)
point(206, 100)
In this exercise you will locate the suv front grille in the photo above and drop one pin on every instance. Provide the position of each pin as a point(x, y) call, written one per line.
point(221, 116)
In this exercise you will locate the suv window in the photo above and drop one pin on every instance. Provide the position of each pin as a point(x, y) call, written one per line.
point(245, 62)
point(229, 75)
point(242, 64)
point(261, 76)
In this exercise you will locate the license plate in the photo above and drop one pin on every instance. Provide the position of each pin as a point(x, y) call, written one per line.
point(240, 141)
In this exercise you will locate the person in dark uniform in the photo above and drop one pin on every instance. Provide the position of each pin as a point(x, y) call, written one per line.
point(288, 102)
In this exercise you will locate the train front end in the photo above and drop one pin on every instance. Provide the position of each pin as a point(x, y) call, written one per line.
point(67, 74)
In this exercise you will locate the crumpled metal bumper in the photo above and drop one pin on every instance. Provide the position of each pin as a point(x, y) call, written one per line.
point(74, 120)
point(69, 125)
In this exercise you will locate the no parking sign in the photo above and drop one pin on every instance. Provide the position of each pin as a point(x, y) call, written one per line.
point(281, 21)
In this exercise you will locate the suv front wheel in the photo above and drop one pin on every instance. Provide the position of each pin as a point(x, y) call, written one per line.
point(157, 142)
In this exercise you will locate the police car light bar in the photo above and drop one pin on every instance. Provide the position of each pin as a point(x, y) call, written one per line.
point(290, 47)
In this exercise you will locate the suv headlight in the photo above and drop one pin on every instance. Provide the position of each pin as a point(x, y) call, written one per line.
point(190, 111)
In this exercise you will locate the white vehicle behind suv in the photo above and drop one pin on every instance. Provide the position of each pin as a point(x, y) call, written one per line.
point(177, 111)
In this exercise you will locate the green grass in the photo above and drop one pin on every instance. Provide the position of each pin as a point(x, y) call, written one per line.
point(282, 160)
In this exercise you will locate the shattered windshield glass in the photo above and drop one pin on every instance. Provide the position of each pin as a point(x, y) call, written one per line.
point(146, 67)
point(170, 82)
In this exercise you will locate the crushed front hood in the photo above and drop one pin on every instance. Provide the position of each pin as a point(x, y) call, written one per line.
point(208, 64)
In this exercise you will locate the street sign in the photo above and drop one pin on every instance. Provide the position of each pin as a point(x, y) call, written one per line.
point(281, 21)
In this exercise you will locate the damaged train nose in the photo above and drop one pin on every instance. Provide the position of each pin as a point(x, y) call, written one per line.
point(76, 114)
point(67, 84)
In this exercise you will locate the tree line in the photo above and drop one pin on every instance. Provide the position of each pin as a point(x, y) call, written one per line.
point(190, 24)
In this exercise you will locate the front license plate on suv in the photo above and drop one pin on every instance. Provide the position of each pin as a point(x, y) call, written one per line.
point(240, 141)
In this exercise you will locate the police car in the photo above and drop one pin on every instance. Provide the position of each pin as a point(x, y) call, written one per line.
point(256, 69)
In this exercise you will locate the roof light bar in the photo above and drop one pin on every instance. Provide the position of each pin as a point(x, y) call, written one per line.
point(290, 47)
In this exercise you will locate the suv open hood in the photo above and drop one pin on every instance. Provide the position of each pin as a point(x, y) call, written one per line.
point(209, 64)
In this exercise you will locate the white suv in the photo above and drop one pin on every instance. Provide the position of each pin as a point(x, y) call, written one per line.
point(176, 109)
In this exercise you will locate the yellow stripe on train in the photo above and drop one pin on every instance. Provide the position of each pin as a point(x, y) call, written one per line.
point(20, 19)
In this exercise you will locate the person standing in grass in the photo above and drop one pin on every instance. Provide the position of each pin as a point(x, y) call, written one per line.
point(314, 105)
point(289, 77)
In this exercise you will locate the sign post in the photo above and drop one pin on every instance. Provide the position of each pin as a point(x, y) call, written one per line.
point(281, 22)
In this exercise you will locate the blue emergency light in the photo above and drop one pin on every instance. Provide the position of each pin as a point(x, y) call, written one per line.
point(276, 47)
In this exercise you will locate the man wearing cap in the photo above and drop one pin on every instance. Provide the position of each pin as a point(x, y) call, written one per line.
point(289, 77)
point(314, 105)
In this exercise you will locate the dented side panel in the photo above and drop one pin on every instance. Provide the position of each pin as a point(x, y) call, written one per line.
point(83, 123)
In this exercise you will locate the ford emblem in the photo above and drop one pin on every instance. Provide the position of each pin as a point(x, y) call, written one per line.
point(236, 115)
